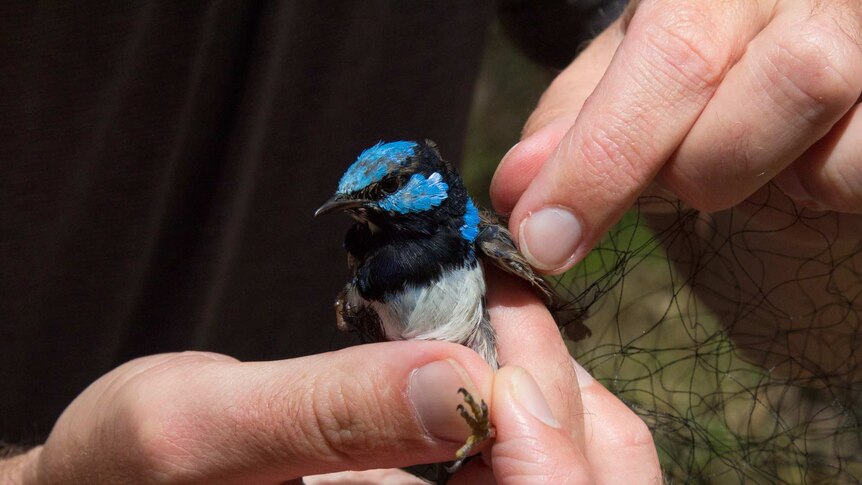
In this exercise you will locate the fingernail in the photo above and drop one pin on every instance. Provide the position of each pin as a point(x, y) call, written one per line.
point(549, 237)
point(526, 392)
point(584, 377)
point(433, 390)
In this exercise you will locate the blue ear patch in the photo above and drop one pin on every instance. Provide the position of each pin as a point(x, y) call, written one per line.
point(419, 194)
point(470, 228)
point(374, 163)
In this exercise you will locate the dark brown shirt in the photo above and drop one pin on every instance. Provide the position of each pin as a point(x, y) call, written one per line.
point(160, 162)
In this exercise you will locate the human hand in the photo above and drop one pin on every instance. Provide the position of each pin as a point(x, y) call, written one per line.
point(202, 418)
point(207, 418)
point(554, 422)
point(199, 417)
point(712, 100)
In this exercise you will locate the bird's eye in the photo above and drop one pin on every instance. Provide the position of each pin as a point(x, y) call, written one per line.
point(389, 185)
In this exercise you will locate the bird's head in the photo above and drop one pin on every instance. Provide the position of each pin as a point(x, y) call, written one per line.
point(403, 187)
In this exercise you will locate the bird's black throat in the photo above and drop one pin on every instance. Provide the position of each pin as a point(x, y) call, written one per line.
point(395, 249)
point(389, 262)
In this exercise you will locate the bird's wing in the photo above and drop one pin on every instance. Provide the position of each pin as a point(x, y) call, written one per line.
point(360, 319)
point(495, 245)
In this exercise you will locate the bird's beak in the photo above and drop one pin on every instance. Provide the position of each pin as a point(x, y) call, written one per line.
point(336, 203)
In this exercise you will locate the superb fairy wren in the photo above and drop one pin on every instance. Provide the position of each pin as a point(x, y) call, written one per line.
point(416, 254)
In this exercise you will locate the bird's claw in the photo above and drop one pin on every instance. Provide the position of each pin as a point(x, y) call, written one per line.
point(478, 418)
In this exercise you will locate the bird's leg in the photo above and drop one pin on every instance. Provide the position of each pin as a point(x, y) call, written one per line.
point(478, 418)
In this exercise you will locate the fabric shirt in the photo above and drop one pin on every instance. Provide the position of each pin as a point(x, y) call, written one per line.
point(160, 163)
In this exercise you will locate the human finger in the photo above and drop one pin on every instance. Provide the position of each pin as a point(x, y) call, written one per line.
point(391, 476)
point(528, 337)
point(618, 445)
point(797, 78)
point(531, 446)
point(377, 406)
point(828, 176)
point(673, 57)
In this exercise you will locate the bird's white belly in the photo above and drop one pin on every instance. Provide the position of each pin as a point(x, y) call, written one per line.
point(451, 309)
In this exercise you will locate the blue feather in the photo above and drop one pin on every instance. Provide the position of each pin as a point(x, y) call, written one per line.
point(419, 194)
point(374, 163)
point(470, 228)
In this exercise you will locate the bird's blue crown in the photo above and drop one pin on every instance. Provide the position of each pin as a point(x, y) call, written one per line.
point(414, 219)
point(374, 163)
point(407, 177)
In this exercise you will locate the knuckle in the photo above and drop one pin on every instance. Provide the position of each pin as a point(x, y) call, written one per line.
point(526, 460)
point(632, 433)
point(815, 71)
point(843, 16)
point(345, 426)
point(702, 197)
point(699, 186)
point(613, 157)
point(686, 48)
point(161, 440)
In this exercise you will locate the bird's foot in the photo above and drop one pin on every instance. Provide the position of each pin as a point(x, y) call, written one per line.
point(478, 419)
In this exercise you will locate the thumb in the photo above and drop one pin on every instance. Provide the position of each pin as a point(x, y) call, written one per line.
point(204, 418)
point(531, 445)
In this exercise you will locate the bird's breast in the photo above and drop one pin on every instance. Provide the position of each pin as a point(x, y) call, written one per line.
point(450, 308)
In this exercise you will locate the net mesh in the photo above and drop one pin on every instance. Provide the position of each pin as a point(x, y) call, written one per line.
point(742, 359)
